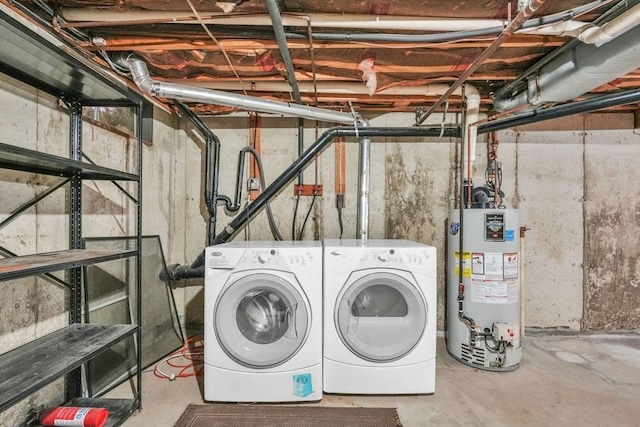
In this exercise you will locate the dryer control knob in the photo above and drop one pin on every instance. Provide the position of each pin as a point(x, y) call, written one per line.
point(261, 260)
point(338, 253)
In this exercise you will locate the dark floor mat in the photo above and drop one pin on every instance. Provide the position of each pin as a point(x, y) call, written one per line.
point(244, 415)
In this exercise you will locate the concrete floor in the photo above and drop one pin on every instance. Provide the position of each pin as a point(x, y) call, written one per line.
point(585, 380)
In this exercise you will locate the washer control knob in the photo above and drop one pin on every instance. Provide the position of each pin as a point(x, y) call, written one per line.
point(338, 253)
point(261, 259)
point(382, 258)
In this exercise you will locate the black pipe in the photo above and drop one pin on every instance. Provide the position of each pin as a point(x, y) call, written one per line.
point(239, 174)
point(463, 201)
point(587, 106)
point(211, 182)
point(196, 269)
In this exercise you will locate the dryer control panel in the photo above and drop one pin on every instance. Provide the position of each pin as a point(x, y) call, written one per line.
point(394, 258)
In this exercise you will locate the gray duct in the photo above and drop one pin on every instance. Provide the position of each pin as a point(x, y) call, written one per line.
point(578, 71)
point(142, 78)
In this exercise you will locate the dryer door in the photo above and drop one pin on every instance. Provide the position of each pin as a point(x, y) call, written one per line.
point(261, 320)
point(380, 317)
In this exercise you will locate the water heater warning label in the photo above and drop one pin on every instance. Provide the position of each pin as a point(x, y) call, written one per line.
point(494, 291)
point(466, 264)
point(511, 265)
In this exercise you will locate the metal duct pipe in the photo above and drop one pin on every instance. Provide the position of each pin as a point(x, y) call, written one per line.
point(196, 269)
point(141, 77)
point(340, 88)
point(364, 163)
point(278, 29)
point(578, 71)
point(587, 106)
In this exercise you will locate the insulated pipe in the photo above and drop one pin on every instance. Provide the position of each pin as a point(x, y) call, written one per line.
point(196, 269)
point(587, 106)
point(619, 8)
point(592, 34)
point(612, 29)
point(141, 77)
point(278, 29)
point(578, 71)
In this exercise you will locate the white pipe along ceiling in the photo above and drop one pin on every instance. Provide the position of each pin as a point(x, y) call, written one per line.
point(325, 20)
point(589, 33)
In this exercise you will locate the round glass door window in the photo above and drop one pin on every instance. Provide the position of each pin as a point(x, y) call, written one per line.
point(381, 317)
point(261, 320)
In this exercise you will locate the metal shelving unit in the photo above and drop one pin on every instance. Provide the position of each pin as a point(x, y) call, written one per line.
point(28, 265)
point(33, 54)
point(40, 362)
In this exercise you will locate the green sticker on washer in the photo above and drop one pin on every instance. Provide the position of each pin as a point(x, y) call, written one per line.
point(302, 385)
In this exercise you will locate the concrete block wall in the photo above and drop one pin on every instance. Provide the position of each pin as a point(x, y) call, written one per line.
point(548, 168)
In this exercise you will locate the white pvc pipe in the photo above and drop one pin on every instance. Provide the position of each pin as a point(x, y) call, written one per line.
point(317, 20)
point(588, 33)
point(473, 112)
point(612, 29)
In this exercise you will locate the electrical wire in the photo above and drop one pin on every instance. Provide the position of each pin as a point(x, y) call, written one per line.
point(295, 215)
point(272, 222)
point(304, 223)
point(187, 361)
point(340, 222)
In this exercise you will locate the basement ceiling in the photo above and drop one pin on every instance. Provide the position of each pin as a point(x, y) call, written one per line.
point(374, 56)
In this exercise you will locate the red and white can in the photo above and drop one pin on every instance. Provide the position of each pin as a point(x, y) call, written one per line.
point(71, 416)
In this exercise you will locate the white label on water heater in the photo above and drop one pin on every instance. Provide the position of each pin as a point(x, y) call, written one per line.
point(511, 265)
point(494, 291)
point(493, 265)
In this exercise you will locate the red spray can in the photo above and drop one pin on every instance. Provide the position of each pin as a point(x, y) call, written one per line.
point(70, 416)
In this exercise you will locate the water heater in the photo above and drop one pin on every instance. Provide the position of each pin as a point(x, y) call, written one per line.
point(483, 292)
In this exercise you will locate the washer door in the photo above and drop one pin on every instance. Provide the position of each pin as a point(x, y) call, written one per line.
point(380, 317)
point(261, 320)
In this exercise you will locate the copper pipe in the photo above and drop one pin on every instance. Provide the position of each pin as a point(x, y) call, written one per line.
point(513, 26)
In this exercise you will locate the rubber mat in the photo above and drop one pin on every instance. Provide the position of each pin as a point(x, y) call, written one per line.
point(245, 415)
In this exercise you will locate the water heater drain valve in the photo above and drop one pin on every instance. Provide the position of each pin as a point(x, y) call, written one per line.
point(504, 332)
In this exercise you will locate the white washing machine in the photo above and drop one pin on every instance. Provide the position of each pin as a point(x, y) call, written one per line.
point(379, 317)
point(263, 322)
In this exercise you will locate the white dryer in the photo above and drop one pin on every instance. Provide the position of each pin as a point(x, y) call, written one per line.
point(263, 322)
point(379, 317)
